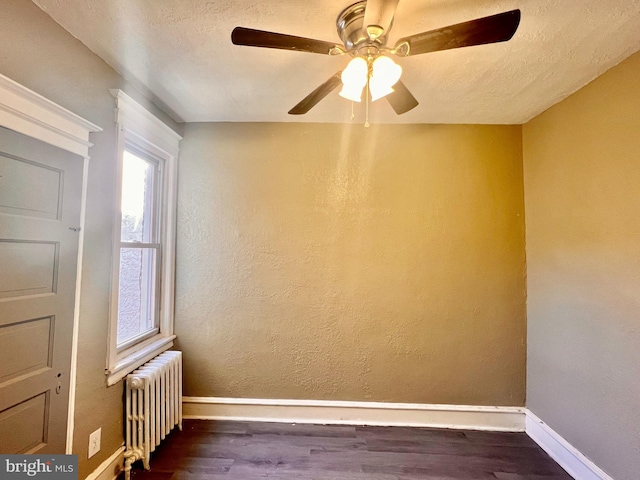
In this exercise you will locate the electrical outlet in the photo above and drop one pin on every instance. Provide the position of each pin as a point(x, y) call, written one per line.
point(94, 442)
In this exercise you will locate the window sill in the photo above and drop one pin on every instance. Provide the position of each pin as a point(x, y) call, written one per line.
point(141, 355)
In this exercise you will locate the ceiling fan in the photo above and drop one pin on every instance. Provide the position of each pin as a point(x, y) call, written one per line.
point(363, 28)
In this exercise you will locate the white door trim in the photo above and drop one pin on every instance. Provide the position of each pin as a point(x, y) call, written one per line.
point(24, 111)
point(472, 417)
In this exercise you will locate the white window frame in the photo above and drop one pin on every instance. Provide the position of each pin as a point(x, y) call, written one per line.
point(137, 127)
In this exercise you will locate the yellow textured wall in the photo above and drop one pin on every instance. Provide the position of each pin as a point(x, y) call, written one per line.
point(336, 262)
point(582, 190)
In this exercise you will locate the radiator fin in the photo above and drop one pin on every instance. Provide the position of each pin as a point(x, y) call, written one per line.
point(153, 406)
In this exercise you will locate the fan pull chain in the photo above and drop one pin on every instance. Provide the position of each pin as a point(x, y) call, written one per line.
point(353, 115)
point(366, 120)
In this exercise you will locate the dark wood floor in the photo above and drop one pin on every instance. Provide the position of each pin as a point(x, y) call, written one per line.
point(250, 451)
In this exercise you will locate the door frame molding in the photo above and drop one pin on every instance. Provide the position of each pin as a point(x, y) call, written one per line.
point(24, 111)
point(29, 113)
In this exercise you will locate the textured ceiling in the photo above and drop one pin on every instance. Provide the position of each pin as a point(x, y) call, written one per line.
point(181, 52)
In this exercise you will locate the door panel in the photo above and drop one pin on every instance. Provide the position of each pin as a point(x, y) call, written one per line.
point(28, 268)
point(32, 343)
point(40, 197)
point(29, 188)
point(23, 427)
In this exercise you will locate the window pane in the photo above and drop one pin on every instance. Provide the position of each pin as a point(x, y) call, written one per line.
point(137, 292)
point(138, 196)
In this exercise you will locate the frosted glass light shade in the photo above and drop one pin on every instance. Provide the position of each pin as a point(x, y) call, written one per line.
point(385, 74)
point(379, 90)
point(354, 79)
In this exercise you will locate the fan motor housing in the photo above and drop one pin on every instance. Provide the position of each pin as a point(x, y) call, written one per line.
point(350, 25)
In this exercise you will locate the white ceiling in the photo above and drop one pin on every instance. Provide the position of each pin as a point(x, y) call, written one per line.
point(182, 53)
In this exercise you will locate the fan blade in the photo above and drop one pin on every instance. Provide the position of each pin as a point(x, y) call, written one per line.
point(401, 99)
point(380, 12)
point(493, 29)
point(260, 38)
point(318, 94)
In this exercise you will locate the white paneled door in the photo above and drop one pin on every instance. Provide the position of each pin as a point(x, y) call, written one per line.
point(40, 200)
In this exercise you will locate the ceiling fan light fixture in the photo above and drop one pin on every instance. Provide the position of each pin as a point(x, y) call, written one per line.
point(379, 90)
point(385, 71)
point(353, 94)
point(363, 28)
point(354, 78)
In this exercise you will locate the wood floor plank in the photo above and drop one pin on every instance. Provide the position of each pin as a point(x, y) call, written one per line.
point(302, 429)
point(173, 463)
point(516, 476)
point(499, 438)
point(412, 433)
point(330, 444)
point(445, 448)
point(219, 426)
point(253, 451)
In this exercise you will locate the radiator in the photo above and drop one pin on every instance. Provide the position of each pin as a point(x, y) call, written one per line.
point(153, 406)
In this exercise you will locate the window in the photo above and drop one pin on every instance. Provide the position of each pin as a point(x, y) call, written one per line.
point(142, 293)
point(140, 249)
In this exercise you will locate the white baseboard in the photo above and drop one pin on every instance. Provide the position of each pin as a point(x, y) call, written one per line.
point(565, 454)
point(505, 419)
point(110, 468)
